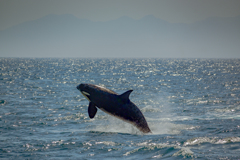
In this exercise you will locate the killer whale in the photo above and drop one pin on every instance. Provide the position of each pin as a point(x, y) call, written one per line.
point(114, 104)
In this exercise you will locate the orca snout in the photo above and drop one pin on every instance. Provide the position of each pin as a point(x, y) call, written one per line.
point(79, 87)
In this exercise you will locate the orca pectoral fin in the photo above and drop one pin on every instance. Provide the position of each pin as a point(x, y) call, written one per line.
point(92, 110)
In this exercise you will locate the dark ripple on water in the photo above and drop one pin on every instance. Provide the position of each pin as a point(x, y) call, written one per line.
point(191, 105)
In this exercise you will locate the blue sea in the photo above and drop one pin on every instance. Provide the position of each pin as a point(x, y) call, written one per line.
point(192, 107)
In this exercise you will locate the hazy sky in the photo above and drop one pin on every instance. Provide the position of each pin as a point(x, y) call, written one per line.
point(13, 12)
point(213, 41)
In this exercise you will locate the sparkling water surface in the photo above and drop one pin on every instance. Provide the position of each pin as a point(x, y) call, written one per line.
point(192, 107)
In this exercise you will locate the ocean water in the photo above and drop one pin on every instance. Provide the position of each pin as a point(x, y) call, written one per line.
point(192, 107)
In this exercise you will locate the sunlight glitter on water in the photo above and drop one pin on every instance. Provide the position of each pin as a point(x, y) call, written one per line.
point(191, 106)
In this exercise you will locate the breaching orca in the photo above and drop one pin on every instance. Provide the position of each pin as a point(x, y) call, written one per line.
point(116, 105)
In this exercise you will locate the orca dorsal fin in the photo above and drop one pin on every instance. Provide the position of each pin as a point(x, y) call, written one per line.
point(125, 96)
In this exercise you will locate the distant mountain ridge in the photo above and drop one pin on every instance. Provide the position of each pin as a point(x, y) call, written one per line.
point(68, 36)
